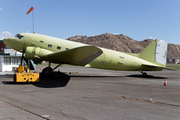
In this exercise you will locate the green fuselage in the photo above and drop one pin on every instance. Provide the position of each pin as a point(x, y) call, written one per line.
point(110, 59)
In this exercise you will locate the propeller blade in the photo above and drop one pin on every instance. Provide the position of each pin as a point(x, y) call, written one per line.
point(23, 53)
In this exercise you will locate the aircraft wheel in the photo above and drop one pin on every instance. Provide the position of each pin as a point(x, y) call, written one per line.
point(45, 72)
point(144, 74)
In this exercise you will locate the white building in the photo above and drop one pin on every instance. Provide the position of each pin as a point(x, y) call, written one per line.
point(9, 62)
point(9, 59)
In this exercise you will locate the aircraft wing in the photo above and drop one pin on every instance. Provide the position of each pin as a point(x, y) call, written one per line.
point(76, 56)
point(157, 67)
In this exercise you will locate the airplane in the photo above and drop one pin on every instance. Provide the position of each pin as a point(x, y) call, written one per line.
point(41, 48)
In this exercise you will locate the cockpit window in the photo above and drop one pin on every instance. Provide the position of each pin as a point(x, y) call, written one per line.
point(18, 36)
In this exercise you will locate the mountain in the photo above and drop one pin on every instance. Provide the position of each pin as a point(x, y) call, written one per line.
point(123, 43)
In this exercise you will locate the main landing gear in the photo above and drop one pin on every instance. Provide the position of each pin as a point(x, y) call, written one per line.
point(48, 71)
point(143, 73)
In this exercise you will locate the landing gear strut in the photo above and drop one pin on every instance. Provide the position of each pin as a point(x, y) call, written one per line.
point(48, 71)
point(143, 73)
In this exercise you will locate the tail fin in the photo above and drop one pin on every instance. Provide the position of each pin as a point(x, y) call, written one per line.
point(155, 52)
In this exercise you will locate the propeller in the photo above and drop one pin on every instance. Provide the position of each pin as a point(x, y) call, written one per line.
point(23, 51)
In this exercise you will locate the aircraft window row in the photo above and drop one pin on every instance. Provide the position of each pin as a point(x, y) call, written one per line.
point(67, 48)
point(41, 41)
point(50, 46)
point(58, 47)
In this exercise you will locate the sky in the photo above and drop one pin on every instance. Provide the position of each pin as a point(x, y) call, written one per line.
point(138, 19)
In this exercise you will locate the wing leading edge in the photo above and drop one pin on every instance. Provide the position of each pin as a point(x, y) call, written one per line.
point(76, 56)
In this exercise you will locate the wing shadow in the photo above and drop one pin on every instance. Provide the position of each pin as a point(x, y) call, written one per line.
point(58, 79)
point(147, 76)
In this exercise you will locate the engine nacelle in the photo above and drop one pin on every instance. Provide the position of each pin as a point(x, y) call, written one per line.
point(35, 53)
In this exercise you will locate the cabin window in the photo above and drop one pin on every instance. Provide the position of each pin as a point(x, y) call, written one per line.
point(50, 46)
point(41, 41)
point(58, 47)
point(67, 48)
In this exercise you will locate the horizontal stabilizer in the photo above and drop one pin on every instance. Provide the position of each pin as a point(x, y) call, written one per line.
point(76, 56)
point(157, 67)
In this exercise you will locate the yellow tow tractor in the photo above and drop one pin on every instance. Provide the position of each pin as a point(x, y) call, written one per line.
point(22, 74)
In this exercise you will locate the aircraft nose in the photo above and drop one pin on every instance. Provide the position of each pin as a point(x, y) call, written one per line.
point(6, 40)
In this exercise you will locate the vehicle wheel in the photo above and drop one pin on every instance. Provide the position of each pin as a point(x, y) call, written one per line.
point(46, 73)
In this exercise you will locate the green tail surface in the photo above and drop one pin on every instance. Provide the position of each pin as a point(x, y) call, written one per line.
point(155, 52)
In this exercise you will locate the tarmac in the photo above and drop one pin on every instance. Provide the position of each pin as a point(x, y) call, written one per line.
point(78, 93)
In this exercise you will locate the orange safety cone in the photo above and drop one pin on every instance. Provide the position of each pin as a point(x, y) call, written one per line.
point(40, 69)
point(36, 68)
point(165, 82)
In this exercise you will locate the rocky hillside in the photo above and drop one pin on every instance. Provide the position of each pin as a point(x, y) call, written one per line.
point(173, 50)
point(123, 43)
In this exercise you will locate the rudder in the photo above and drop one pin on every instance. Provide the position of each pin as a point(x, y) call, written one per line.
point(156, 52)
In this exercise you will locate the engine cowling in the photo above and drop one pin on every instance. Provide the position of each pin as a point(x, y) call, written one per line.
point(35, 53)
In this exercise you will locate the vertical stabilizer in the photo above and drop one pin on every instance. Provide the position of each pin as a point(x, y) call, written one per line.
point(156, 51)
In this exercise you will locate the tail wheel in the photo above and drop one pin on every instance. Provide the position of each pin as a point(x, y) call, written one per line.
point(46, 72)
point(143, 73)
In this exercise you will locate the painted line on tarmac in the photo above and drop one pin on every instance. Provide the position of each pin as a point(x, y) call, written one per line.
point(144, 86)
point(124, 97)
point(10, 104)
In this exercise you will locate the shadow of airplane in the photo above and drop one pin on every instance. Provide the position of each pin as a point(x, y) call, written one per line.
point(93, 76)
point(58, 79)
point(135, 76)
point(147, 76)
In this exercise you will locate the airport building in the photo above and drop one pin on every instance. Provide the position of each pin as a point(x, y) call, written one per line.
point(9, 58)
